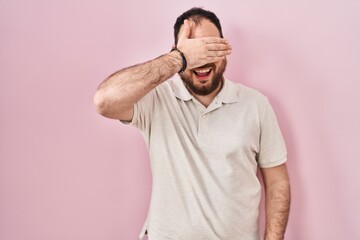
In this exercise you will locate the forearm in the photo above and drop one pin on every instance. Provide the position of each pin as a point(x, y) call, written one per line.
point(278, 198)
point(124, 88)
point(117, 95)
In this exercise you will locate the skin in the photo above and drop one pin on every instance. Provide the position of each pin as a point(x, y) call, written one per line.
point(204, 29)
point(201, 44)
point(116, 95)
point(277, 201)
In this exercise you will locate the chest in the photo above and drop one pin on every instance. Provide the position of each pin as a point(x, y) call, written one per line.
point(220, 129)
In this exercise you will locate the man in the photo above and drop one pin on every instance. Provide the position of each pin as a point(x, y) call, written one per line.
point(206, 137)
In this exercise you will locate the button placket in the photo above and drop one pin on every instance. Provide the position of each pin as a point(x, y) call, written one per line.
point(201, 124)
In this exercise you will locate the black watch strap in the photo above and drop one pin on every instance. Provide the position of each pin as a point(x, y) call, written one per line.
point(184, 62)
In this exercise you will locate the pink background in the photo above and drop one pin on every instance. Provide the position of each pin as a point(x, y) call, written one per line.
point(68, 173)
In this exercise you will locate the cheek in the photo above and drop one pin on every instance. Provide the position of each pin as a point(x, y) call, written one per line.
point(218, 64)
point(187, 73)
point(221, 65)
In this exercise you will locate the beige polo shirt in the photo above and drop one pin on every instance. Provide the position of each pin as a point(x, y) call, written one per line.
point(204, 161)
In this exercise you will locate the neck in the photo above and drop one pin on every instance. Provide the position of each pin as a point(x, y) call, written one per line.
point(207, 99)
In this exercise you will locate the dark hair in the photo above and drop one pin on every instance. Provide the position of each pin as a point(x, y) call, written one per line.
point(196, 14)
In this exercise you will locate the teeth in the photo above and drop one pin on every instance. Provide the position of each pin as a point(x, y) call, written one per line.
point(205, 70)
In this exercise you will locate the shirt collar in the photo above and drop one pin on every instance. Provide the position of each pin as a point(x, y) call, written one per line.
point(180, 90)
point(227, 94)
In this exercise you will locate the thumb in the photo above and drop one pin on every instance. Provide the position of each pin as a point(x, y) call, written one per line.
point(184, 32)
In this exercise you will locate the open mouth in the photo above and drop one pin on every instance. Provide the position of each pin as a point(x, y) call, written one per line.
point(203, 72)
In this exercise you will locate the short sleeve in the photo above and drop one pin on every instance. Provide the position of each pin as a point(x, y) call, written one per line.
point(143, 110)
point(272, 145)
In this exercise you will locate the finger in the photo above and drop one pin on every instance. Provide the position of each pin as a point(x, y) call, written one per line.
point(215, 40)
point(218, 53)
point(216, 59)
point(191, 24)
point(218, 47)
point(184, 32)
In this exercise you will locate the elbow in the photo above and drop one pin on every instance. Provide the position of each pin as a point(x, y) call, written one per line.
point(99, 101)
point(107, 105)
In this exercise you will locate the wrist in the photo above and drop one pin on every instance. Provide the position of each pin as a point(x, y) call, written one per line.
point(175, 59)
point(182, 57)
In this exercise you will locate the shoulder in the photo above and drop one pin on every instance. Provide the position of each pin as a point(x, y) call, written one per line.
point(246, 94)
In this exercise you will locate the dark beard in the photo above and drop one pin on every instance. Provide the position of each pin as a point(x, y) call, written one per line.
point(217, 79)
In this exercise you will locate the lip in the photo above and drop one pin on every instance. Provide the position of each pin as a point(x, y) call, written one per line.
point(203, 79)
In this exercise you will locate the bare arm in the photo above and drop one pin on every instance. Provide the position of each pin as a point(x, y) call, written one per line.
point(277, 191)
point(116, 96)
point(120, 91)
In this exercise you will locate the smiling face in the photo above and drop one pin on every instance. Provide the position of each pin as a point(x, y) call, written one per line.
point(205, 79)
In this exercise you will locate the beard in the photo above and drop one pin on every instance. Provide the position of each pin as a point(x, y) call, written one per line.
point(215, 81)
